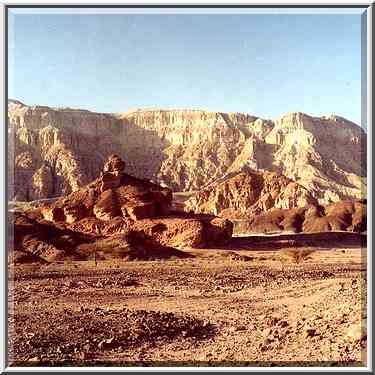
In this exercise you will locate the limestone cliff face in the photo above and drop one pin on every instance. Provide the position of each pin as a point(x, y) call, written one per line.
point(56, 151)
point(183, 149)
point(247, 194)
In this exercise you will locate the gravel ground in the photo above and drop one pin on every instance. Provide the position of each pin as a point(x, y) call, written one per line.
point(221, 308)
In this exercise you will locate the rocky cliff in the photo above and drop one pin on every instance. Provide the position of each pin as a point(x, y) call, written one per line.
point(57, 150)
point(247, 194)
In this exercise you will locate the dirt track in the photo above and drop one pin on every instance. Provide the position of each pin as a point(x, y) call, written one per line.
point(228, 308)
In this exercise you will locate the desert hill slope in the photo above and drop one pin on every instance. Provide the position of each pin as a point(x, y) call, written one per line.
point(58, 150)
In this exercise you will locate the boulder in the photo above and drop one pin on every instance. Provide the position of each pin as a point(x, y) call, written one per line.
point(139, 210)
point(106, 207)
point(53, 213)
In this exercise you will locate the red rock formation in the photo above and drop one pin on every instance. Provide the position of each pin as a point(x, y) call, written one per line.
point(346, 215)
point(44, 240)
point(113, 194)
point(127, 204)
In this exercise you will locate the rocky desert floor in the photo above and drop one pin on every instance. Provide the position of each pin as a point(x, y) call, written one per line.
point(237, 306)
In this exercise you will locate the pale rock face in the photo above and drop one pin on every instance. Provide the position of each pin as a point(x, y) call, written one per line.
point(183, 149)
point(42, 182)
point(248, 194)
point(327, 154)
point(73, 143)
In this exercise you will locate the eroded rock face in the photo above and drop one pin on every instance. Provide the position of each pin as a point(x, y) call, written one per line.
point(69, 145)
point(113, 194)
point(248, 194)
point(185, 150)
point(44, 241)
point(133, 205)
point(346, 215)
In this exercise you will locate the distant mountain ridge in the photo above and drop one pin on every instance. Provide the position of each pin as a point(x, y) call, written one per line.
point(56, 151)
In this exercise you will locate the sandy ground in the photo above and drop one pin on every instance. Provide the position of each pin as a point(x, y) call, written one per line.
point(221, 308)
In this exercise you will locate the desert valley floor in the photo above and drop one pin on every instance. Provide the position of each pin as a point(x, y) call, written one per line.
point(254, 303)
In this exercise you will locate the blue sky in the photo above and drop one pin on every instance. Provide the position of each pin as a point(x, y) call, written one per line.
point(262, 64)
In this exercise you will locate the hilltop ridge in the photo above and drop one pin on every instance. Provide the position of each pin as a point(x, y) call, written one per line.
point(57, 151)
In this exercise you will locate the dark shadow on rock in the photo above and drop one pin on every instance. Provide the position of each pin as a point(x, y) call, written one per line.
point(133, 245)
point(324, 240)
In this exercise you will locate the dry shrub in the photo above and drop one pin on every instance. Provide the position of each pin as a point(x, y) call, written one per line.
point(298, 255)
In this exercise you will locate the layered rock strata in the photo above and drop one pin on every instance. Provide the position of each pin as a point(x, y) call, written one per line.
point(55, 151)
point(248, 194)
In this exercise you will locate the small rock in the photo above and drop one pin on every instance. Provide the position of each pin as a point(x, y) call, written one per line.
point(270, 338)
point(106, 343)
point(356, 332)
point(283, 323)
point(101, 344)
point(272, 321)
point(109, 341)
point(82, 355)
point(267, 332)
point(240, 328)
point(310, 332)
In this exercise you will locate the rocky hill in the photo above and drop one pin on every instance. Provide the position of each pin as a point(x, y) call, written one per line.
point(248, 194)
point(345, 215)
point(58, 150)
point(115, 211)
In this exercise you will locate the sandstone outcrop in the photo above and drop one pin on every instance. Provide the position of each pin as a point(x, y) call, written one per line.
point(131, 245)
point(42, 240)
point(113, 194)
point(346, 215)
point(115, 204)
point(248, 194)
point(57, 151)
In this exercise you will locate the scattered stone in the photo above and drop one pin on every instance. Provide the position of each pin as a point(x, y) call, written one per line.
point(283, 323)
point(310, 332)
point(267, 332)
point(240, 328)
point(356, 332)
